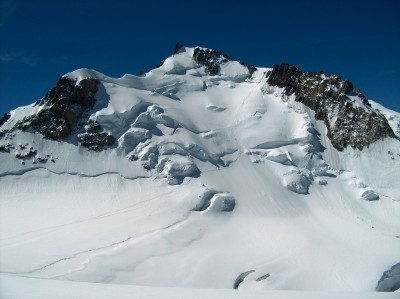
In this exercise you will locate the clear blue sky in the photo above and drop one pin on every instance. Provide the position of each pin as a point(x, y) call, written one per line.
point(41, 40)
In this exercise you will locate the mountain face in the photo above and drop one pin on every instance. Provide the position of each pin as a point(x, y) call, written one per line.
point(348, 116)
point(204, 172)
point(346, 113)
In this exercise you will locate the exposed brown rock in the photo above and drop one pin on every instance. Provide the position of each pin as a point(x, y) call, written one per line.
point(71, 116)
point(347, 123)
point(63, 107)
point(212, 60)
point(95, 138)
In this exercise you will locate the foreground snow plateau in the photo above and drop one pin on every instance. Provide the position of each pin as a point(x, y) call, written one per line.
point(214, 182)
point(27, 288)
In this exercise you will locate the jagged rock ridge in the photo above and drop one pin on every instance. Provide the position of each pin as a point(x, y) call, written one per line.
point(212, 60)
point(348, 116)
point(65, 107)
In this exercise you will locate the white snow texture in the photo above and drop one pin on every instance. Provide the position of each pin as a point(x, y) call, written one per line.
point(211, 177)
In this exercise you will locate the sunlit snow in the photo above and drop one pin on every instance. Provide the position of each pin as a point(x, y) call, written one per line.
point(211, 177)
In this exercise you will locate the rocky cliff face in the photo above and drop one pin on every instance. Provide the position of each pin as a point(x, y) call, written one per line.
point(66, 107)
point(349, 118)
point(212, 60)
point(62, 108)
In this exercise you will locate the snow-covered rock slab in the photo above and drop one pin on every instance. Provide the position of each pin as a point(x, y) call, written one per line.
point(176, 168)
point(390, 280)
point(369, 195)
point(297, 182)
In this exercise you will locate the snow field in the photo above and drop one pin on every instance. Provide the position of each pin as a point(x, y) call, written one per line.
point(213, 180)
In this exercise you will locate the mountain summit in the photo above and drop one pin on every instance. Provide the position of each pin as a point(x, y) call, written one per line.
point(348, 116)
point(204, 172)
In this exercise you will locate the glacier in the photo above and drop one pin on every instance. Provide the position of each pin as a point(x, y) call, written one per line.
point(207, 176)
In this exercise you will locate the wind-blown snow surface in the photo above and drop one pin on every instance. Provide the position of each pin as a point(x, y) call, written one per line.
point(211, 177)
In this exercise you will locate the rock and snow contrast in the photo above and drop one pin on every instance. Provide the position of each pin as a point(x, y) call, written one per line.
point(202, 173)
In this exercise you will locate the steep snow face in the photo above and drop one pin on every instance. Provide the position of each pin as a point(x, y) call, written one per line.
point(188, 177)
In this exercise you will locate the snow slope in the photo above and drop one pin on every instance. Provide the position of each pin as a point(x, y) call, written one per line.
point(22, 287)
point(214, 182)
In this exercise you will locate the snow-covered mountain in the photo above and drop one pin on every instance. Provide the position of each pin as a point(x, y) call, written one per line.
point(203, 173)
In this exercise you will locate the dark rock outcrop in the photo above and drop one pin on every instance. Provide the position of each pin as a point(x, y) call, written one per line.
point(4, 148)
point(212, 60)
point(241, 278)
point(390, 280)
point(263, 277)
point(26, 154)
point(63, 107)
point(348, 123)
point(369, 195)
point(94, 137)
